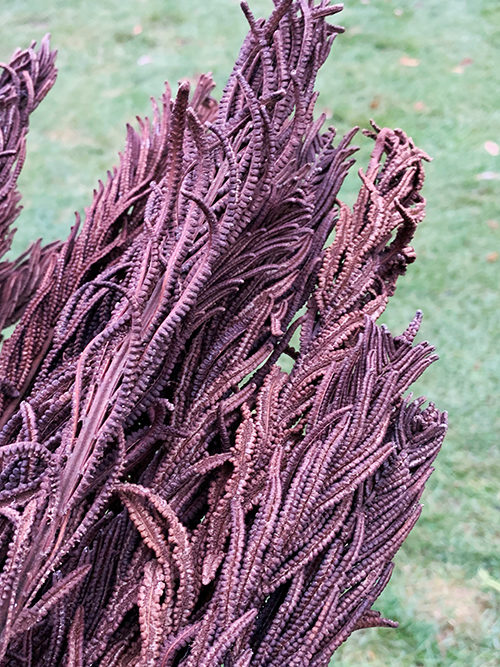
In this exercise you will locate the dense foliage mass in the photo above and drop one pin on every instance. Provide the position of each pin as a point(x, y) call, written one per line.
point(168, 494)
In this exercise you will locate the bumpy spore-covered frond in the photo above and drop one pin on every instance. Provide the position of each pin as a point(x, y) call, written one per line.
point(24, 82)
point(168, 494)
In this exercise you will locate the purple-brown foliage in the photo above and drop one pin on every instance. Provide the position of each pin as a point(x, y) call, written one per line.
point(168, 494)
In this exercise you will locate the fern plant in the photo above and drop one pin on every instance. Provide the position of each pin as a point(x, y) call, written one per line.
point(169, 495)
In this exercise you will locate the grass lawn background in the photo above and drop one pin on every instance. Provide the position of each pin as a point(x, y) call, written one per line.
point(428, 66)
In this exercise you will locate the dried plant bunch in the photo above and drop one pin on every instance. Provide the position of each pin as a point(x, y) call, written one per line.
point(168, 494)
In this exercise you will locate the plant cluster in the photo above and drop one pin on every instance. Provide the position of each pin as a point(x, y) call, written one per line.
point(169, 495)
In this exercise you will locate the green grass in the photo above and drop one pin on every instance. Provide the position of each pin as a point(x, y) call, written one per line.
point(445, 589)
